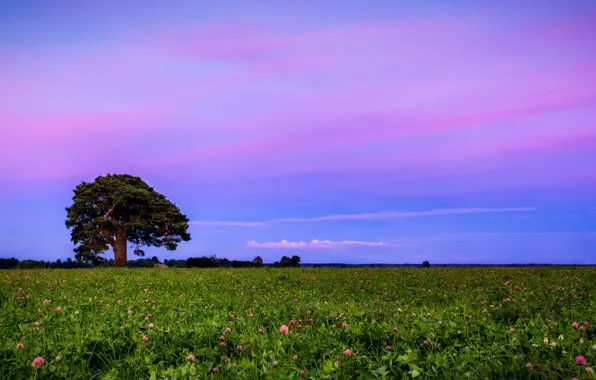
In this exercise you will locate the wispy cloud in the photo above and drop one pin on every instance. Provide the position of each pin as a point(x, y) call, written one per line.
point(367, 216)
point(315, 244)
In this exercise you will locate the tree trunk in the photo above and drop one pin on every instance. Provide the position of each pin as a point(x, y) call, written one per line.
point(120, 247)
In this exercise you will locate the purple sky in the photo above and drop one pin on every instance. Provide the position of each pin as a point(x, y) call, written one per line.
point(341, 131)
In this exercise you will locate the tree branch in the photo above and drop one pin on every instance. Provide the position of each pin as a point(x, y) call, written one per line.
point(107, 235)
point(109, 211)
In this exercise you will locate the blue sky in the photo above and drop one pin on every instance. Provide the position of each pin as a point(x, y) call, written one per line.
point(454, 132)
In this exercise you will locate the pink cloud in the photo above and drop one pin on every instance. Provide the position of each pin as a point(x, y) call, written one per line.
point(309, 98)
point(473, 113)
point(314, 244)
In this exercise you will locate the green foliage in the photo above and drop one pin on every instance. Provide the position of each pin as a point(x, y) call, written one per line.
point(258, 262)
point(443, 332)
point(120, 208)
point(293, 262)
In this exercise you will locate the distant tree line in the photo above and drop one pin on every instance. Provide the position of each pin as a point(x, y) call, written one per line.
point(191, 262)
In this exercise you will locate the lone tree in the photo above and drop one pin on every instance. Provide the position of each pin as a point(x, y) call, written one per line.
point(258, 262)
point(117, 209)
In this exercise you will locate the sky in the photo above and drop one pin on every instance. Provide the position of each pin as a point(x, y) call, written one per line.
point(338, 131)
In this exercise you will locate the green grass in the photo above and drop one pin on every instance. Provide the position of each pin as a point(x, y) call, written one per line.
point(96, 338)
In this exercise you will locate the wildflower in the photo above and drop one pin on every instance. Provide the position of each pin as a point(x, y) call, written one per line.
point(395, 329)
point(529, 365)
point(580, 360)
point(348, 352)
point(214, 369)
point(228, 330)
point(240, 348)
point(275, 362)
point(58, 358)
point(151, 325)
point(581, 340)
point(473, 303)
point(594, 346)
point(129, 312)
point(295, 357)
point(222, 338)
point(20, 346)
point(561, 337)
point(302, 372)
point(344, 325)
point(261, 331)
point(388, 347)
point(484, 311)
point(589, 370)
point(545, 340)
point(587, 324)
point(283, 329)
point(574, 325)
point(425, 342)
point(251, 315)
point(511, 330)
point(149, 315)
point(46, 302)
point(292, 322)
point(232, 316)
point(58, 309)
point(36, 324)
point(145, 338)
point(37, 362)
point(191, 357)
point(119, 302)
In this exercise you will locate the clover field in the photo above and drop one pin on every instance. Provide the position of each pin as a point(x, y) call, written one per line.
point(367, 323)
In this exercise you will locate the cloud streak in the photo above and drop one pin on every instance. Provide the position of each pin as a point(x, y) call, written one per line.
point(367, 216)
point(315, 244)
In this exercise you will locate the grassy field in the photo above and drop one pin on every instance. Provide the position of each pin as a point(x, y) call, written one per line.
point(495, 323)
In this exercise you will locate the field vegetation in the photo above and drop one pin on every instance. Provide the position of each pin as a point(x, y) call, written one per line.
point(267, 323)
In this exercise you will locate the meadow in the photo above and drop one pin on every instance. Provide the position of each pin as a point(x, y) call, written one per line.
point(366, 323)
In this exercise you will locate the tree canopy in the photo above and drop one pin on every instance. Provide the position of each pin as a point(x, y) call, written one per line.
point(258, 262)
point(117, 209)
